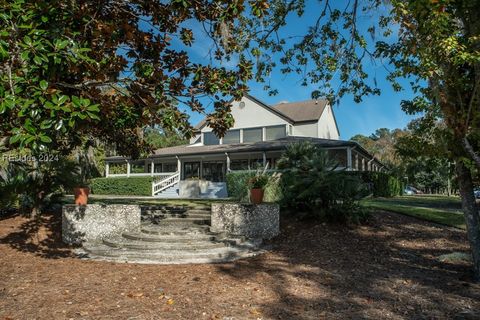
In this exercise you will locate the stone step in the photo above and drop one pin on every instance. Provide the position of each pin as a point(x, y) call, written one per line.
point(198, 211)
point(176, 229)
point(173, 238)
point(184, 246)
point(181, 215)
point(219, 255)
point(183, 221)
point(159, 211)
point(201, 207)
point(118, 257)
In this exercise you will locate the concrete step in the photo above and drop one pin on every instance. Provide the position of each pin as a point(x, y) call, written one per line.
point(218, 255)
point(198, 211)
point(176, 229)
point(183, 221)
point(163, 210)
point(182, 215)
point(171, 238)
point(184, 246)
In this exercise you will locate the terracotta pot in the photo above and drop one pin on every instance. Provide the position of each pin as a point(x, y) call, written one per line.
point(81, 196)
point(256, 196)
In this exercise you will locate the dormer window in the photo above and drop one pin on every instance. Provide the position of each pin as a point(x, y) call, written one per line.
point(252, 135)
point(209, 138)
point(231, 137)
point(275, 132)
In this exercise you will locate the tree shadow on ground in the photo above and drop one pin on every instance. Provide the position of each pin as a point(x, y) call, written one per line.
point(40, 236)
point(388, 269)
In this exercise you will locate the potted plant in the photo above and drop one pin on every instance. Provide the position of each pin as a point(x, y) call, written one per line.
point(257, 186)
point(81, 195)
point(82, 190)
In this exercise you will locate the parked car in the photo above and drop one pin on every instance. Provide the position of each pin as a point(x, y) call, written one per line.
point(409, 190)
point(476, 192)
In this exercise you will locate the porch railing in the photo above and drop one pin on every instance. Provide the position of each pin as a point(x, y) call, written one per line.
point(163, 183)
point(141, 174)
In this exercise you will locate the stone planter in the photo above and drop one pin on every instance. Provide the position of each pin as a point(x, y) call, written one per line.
point(94, 222)
point(254, 221)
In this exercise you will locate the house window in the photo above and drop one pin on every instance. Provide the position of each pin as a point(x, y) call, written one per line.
point(209, 138)
point(239, 165)
point(169, 167)
point(232, 137)
point(275, 132)
point(213, 171)
point(191, 170)
point(252, 135)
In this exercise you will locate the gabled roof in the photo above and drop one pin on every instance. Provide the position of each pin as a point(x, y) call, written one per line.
point(302, 111)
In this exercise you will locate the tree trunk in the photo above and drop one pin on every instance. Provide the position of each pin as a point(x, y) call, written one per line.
point(470, 212)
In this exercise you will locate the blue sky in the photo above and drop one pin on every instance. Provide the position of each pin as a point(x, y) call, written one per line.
point(363, 118)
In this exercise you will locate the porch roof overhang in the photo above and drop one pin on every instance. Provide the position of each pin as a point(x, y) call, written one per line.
point(273, 145)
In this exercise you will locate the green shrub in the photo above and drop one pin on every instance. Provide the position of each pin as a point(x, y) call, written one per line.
point(131, 186)
point(382, 184)
point(238, 188)
point(311, 184)
point(34, 187)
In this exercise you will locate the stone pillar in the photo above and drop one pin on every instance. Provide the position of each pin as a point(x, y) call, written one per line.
point(252, 221)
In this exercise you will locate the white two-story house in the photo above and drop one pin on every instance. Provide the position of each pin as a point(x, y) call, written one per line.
point(259, 136)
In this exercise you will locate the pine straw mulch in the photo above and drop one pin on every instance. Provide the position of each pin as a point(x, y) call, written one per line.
point(387, 269)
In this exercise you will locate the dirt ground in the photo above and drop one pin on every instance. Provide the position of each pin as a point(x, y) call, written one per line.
point(387, 269)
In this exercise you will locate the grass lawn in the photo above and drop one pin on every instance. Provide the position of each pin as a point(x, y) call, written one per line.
point(440, 209)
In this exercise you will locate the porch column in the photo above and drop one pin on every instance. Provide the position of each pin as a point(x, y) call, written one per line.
point(369, 165)
point(152, 168)
point(356, 162)
point(264, 159)
point(128, 168)
point(107, 169)
point(228, 162)
point(179, 166)
point(349, 159)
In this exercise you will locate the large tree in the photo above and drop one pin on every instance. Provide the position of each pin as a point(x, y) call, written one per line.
point(431, 45)
point(74, 69)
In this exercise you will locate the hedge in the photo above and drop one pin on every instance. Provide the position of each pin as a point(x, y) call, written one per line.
point(382, 184)
point(379, 184)
point(131, 186)
point(237, 186)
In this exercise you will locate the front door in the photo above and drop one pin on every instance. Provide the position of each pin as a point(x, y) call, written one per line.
point(191, 170)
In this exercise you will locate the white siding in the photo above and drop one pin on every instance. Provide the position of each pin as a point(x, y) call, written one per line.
point(196, 139)
point(251, 115)
point(327, 128)
point(306, 130)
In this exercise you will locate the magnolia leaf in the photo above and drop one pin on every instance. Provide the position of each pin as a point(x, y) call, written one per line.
point(43, 85)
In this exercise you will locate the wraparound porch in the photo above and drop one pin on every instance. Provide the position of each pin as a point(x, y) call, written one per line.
point(169, 171)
